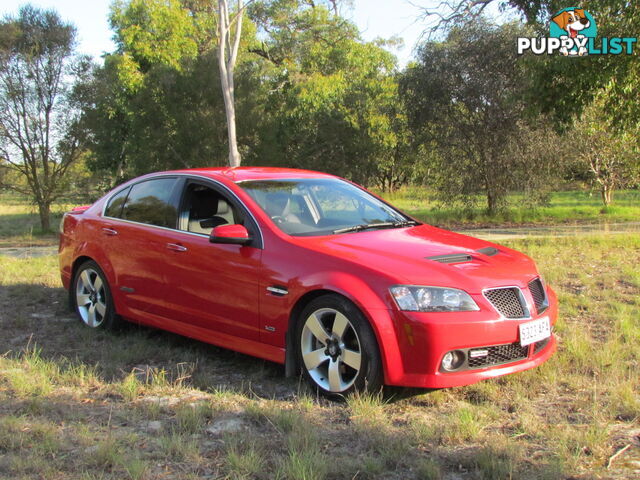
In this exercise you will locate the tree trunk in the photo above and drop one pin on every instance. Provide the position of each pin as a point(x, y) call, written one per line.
point(607, 195)
point(44, 210)
point(492, 202)
point(230, 110)
point(226, 65)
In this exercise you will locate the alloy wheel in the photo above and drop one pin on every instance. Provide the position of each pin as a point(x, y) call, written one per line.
point(91, 298)
point(331, 350)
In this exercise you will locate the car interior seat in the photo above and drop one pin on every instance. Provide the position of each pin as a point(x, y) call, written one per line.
point(278, 207)
point(208, 210)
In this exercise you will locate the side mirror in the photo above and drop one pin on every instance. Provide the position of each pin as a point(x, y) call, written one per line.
point(230, 234)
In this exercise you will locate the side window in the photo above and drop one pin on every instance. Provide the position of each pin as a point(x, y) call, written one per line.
point(151, 202)
point(205, 209)
point(114, 208)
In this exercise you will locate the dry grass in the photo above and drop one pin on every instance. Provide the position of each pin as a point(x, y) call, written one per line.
point(20, 223)
point(144, 404)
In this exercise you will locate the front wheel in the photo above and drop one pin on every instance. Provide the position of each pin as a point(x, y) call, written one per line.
point(92, 297)
point(337, 348)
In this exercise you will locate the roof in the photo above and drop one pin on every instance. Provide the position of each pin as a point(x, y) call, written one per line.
point(238, 174)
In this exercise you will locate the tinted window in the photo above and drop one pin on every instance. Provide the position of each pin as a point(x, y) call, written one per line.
point(114, 208)
point(151, 202)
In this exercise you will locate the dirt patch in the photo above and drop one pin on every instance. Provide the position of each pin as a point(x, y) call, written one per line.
point(573, 230)
point(29, 252)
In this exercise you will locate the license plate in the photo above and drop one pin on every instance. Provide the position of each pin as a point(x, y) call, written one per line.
point(535, 331)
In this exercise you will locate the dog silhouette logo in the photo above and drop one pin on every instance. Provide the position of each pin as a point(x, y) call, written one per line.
point(574, 27)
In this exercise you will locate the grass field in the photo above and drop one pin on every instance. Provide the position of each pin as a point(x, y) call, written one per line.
point(20, 226)
point(564, 207)
point(20, 223)
point(143, 404)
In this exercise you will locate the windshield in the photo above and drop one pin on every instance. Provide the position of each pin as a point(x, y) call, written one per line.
point(321, 206)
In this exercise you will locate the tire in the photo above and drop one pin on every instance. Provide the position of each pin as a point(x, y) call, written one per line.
point(91, 297)
point(336, 348)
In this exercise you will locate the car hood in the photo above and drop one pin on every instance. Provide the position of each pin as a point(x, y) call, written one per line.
point(426, 255)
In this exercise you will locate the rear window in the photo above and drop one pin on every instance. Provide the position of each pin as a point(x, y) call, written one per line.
point(152, 202)
point(114, 208)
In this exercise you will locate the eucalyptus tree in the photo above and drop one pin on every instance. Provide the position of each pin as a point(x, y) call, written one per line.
point(332, 100)
point(608, 155)
point(228, 45)
point(156, 99)
point(40, 132)
point(466, 99)
point(559, 87)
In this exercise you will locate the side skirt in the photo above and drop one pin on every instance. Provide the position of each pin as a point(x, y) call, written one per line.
point(248, 347)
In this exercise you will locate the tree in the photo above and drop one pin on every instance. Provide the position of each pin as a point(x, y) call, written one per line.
point(228, 45)
point(307, 91)
point(40, 133)
point(465, 99)
point(156, 102)
point(332, 99)
point(558, 87)
point(609, 156)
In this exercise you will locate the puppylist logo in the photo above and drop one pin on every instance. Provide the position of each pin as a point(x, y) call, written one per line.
point(572, 33)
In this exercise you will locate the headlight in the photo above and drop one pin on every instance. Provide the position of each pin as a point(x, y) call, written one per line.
point(432, 299)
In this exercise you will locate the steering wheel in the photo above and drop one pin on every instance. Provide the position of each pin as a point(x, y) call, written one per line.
point(278, 219)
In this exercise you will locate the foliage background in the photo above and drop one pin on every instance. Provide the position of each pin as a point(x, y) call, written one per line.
point(468, 119)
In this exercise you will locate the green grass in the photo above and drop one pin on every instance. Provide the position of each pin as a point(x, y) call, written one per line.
point(77, 404)
point(20, 223)
point(564, 207)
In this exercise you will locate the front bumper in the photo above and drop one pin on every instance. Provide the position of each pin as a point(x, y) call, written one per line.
point(423, 339)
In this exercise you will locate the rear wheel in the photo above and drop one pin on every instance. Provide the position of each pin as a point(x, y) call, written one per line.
point(92, 297)
point(337, 348)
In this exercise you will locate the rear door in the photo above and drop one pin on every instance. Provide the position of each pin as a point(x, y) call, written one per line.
point(137, 238)
point(214, 286)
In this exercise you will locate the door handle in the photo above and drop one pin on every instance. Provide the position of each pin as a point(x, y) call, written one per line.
point(109, 231)
point(176, 248)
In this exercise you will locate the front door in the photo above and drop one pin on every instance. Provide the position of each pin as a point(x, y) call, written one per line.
point(213, 286)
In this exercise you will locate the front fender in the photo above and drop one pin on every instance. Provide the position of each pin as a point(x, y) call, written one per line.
point(365, 296)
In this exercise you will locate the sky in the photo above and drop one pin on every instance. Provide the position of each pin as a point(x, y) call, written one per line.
point(375, 19)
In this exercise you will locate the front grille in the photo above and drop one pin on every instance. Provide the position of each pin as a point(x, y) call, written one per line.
point(539, 295)
point(507, 301)
point(498, 354)
point(540, 345)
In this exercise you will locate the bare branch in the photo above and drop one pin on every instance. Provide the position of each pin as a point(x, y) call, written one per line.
point(450, 12)
point(238, 33)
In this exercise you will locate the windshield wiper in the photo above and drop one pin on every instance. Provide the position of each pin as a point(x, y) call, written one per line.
point(367, 226)
point(405, 223)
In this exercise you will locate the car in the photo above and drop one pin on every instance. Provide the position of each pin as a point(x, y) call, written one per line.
point(308, 270)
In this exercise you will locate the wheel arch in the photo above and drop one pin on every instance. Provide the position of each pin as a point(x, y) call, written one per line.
point(388, 350)
point(74, 268)
point(79, 261)
point(291, 366)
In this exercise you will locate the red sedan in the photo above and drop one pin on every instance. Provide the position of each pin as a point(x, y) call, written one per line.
point(308, 270)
